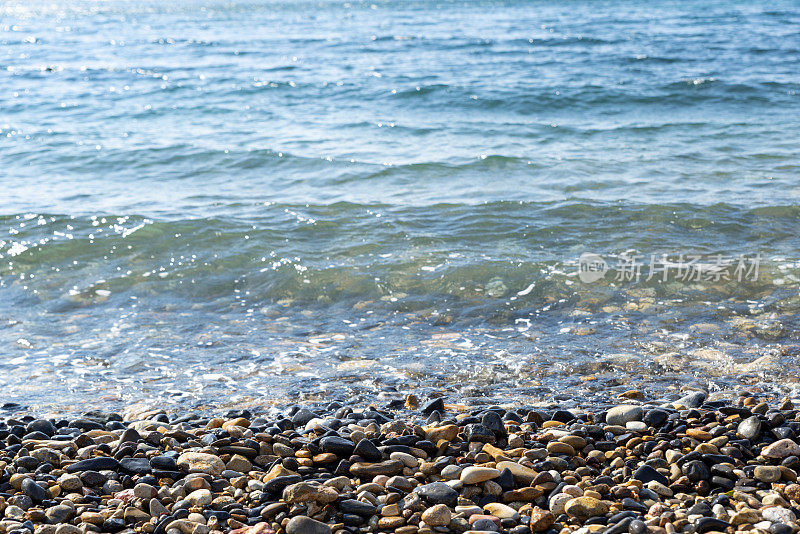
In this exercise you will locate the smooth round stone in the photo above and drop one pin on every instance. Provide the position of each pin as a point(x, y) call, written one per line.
point(647, 473)
point(767, 473)
point(70, 483)
point(780, 528)
point(59, 513)
point(303, 492)
point(692, 400)
point(200, 462)
point(138, 466)
point(337, 445)
point(407, 459)
point(27, 462)
point(387, 467)
point(165, 463)
point(501, 511)
point(401, 483)
point(100, 463)
point(695, 470)
point(557, 447)
point(486, 525)
point(41, 425)
point(524, 474)
point(352, 506)
point(305, 525)
point(493, 422)
point(637, 526)
point(636, 426)
point(655, 418)
point(33, 490)
point(368, 451)
point(585, 507)
point(630, 504)
point(437, 516)
point(200, 497)
point(438, 493)
point(750, 428)
point(557, 503)
point(475, 474)
point(572, 490)
point(14, 512)
point(620, 415)
point(576, 442)
point(303, 416)
point(700, 508)
point(476, 432)
point(706, 524)
point(778, 514)
point(781, 449)
point(451, 472)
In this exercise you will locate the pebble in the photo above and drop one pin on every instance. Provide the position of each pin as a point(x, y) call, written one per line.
point(438, 493)
point(437, 516)
point(692, 400)
point(199, 462)
point(749, 428)
point(585, 507)
point(541, 520)
point(781, 449)
point(201, 497)
point(706, 524)
point(620, 415)
point(33, 490)
point(368, 451)
point(767, 473)
point(558, 502)
point(647, 473)
point(519, 472)
point(476, 474)
point(59, 513)
point(501, 511)
point(778, 514)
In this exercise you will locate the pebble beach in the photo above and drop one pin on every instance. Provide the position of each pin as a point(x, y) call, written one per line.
point(399, 267)
point(691, 464)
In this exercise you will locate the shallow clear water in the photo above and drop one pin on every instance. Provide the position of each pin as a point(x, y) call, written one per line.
point(214, 202)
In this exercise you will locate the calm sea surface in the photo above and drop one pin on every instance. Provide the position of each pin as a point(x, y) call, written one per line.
point(207, 203)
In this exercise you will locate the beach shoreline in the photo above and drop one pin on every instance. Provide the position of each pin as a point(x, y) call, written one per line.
point(410, 466)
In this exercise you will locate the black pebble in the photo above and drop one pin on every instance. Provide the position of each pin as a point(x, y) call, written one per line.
point(704, 524)
point(637, 526)
point(33, 490)
point(337, 445)
point(433, 405)
point(646, 474)
point(367, 450)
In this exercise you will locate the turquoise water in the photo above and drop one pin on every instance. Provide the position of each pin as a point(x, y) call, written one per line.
point(217, 202)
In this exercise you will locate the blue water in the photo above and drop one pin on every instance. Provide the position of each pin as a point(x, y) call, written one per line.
point(239, 202)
